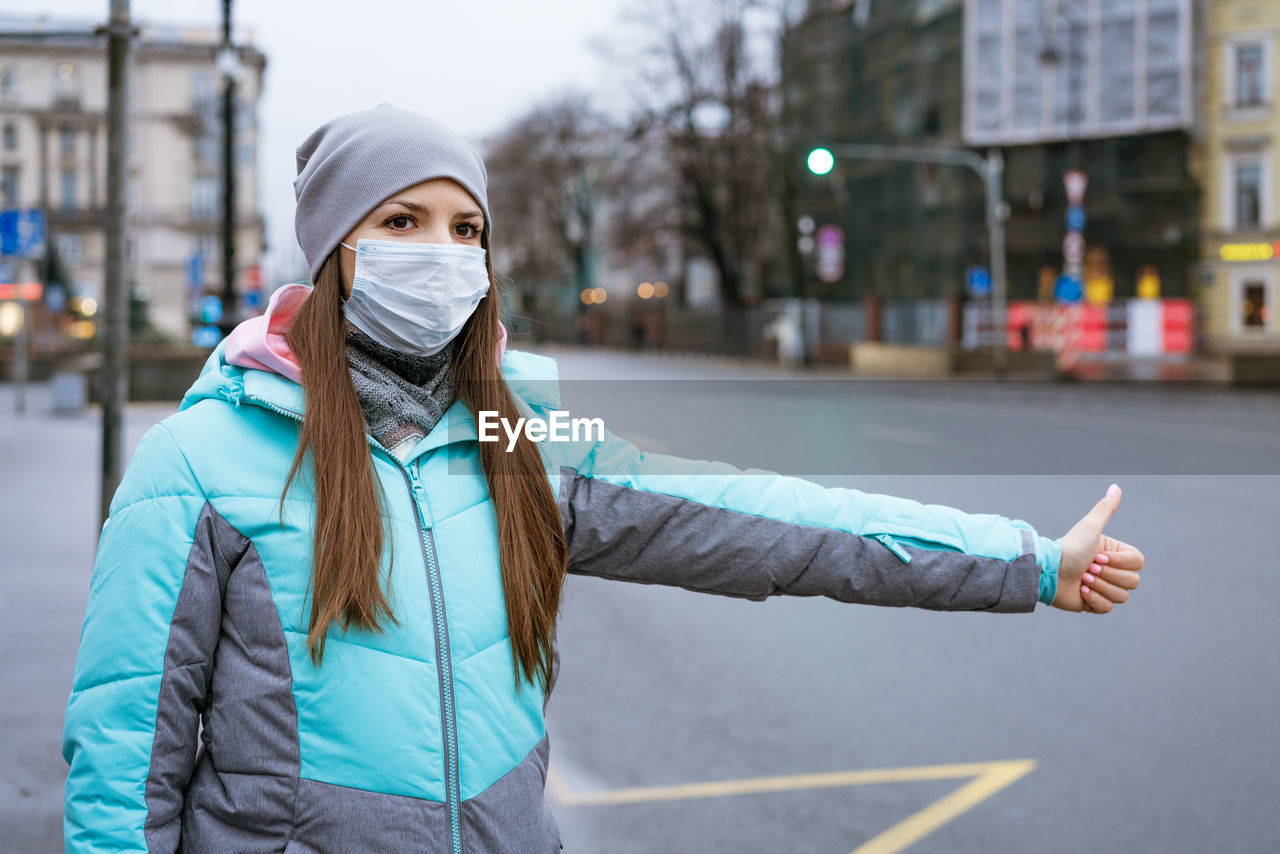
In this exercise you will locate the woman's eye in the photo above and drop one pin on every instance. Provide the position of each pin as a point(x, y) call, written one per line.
point(467, 231)
point(400, 222)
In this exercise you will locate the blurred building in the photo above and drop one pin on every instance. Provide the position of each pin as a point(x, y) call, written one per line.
point(53, 155)
point(1238, 159)
point(1106, 89)
point(889, 73)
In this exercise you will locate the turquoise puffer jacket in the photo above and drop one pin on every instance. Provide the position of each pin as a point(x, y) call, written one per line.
point(198, 722)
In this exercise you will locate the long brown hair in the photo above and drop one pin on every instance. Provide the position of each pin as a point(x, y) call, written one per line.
point(348, 537)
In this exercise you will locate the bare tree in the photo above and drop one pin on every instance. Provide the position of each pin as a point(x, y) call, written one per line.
point(547, 172)
point(705, 93)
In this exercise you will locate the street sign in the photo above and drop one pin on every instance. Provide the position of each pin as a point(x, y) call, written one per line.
point(831, 268)
point(1075, 218)
point(206, 336)
point(195, 270)
point(830, 237)
point(22, 232)
point(1068, 289)
point(211, 309)
point(1073, 248)
point(830, 263)
point(1075, 182)
point(29, 291)
point(979, 281)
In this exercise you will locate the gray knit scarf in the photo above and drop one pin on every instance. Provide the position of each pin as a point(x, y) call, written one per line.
point(402, 396)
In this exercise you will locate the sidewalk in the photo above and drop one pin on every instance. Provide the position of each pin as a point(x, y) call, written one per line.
point(48, 534)
point(1169, 369)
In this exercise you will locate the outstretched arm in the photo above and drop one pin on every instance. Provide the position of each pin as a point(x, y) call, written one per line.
point(658, 519)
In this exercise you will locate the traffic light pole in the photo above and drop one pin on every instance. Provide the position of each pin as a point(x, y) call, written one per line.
point(991, 170)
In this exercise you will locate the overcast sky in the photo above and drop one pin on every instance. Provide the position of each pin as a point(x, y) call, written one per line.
point(473, 65)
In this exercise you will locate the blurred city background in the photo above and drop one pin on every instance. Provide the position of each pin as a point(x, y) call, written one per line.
point(751, 212)
point(785, 180)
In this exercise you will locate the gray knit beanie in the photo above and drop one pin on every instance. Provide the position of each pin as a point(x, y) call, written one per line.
point(350, 165)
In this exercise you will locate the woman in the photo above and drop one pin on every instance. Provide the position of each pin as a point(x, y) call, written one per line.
point(318, 569)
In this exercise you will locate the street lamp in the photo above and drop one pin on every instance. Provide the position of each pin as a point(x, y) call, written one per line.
point(990, 169)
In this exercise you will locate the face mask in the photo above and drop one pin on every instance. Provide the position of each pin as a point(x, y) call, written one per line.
point(415, 297)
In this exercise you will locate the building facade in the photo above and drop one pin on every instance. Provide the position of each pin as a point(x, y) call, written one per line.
point(1238, 162)
point(1057, 87)
point(53, 155)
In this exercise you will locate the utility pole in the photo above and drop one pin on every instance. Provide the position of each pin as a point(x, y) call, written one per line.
point(228, 64)
point(990, 169)
point(119, 31)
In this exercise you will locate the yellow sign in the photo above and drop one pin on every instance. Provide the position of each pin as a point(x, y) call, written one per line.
point(1149, 282)
point(1247, 251)
point(1098, 290)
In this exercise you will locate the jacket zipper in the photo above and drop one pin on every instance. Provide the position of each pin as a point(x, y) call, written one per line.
point(448, 721)
point(894, 546)
point(444, 669)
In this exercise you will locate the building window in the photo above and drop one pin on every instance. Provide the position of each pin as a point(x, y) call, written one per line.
point(93, 168)
point(9, 187)
point(66, 85)
point(210, 248)
point(68, 194)
point(204, 198)
point(70, 247)
point(1254, 310)
point(1250, 75)
point(8, 79)
point(67, 141)
point(208, 149)
point(202, 89)
point(10, 136)
point(1247, 183)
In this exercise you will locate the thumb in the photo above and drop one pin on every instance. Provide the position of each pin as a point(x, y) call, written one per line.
point(1101, 512)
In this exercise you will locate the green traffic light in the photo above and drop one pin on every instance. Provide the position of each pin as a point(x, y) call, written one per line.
point(821, 161)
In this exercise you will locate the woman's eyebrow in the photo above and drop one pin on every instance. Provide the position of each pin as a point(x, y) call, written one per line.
point(411, 206)
point(420, 209)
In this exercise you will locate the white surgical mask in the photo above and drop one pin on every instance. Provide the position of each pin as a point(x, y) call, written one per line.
point(415, 297)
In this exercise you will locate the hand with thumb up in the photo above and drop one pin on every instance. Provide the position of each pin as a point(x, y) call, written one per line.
point(1096, 572)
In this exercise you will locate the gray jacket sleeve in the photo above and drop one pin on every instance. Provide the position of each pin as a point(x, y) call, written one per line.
point(709, 527)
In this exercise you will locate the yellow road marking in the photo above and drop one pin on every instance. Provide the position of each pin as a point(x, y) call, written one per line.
point(559, 791)
point(919, 825)
point(989, 778)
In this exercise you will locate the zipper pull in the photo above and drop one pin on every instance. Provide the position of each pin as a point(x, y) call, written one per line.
point(418, 492)
point(892, 545)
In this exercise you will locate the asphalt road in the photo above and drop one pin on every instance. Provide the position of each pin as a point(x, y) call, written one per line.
point(818, 726)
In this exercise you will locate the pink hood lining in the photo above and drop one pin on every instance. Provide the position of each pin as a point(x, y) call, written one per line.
point(259, 342)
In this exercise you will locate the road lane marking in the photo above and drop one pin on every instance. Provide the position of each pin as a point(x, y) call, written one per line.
point(559, 791)
point(903, 435)
point(912, 829)
point(989, 778)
